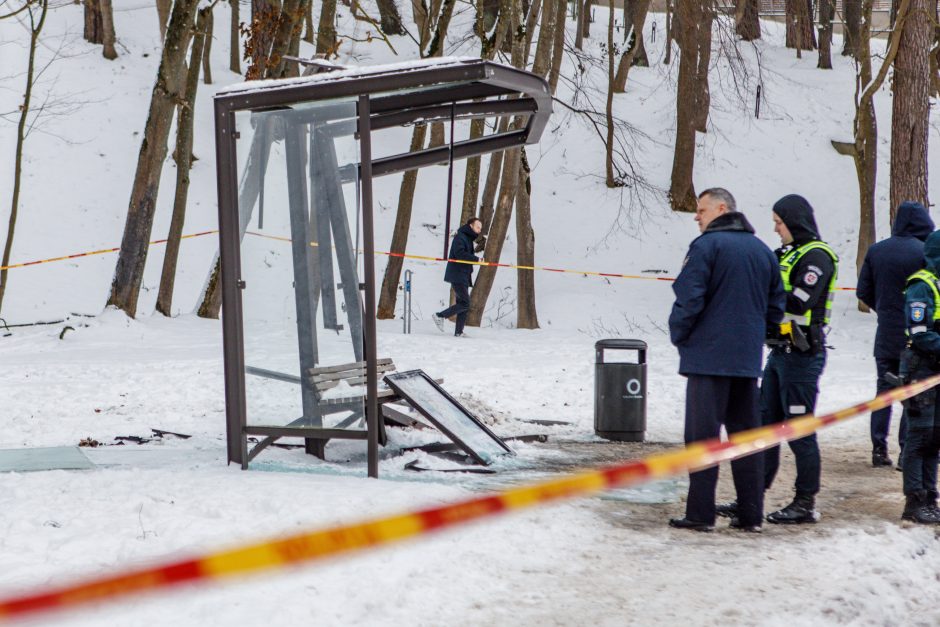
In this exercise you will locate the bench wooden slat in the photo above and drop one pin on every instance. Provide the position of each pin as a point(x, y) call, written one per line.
point(350, 374)
point(343, 367)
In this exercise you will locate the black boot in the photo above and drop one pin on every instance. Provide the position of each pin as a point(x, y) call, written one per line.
point(801, 510)
point(920, 509)
point(728, 510)
point(879, 457)
point(691, 525)
point(740, 526)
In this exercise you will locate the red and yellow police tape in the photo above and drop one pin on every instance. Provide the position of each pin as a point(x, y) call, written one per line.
point(317, 545)
point(428, 258)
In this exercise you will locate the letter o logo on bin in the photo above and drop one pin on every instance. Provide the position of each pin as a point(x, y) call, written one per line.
point(634, 387)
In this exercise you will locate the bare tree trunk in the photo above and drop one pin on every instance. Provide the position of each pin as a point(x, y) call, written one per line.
point(690, 16)
point(558, 45)
point(293, 69)
point(496, 233)
point(852, 14)
point(703, 93)
point(93, 22)
point(609, 180)
point(326, 32)
point(163, 14)
point(309, 33)
point(910, 114)
point(209, 28)
point(826, 13)
point(235, 46)
point(586, 19)
point(107, 30)
point(289, 22)
point(265, 15)
point(35, 27)
point(389, 18)
point(578, 29)
point(526, 314)
point(184, 159)
point(488, 201)
point(167, 92)
point(747, 19)
point(669, 28)
point(638, 10)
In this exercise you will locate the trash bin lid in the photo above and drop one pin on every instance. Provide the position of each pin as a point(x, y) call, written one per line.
point(633, 345)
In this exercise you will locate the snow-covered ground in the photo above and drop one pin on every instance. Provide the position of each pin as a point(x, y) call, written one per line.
point(596, 560)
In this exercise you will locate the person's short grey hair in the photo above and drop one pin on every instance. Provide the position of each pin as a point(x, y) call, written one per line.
point(721, 195)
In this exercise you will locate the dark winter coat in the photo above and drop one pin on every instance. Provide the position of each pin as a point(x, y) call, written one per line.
point(920, 305)
point(461, 248)
point(727, 294)
point(884, 273)
point(811, 275)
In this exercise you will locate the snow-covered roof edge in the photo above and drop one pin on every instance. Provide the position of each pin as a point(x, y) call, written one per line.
point(353, 72)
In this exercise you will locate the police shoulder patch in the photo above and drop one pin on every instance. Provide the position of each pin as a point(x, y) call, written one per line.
point(811, 278)
point(917, 313)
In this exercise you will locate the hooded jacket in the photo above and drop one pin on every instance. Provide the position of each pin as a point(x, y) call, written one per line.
point(461, 248)
point(884, 274)
point(919, 305)
point(811, 275)
point(727, 293)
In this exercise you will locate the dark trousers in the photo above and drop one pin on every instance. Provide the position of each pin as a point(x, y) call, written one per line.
point(711, 402)
point(459, 308)
point(881, 419)
point(789, 389)
point(922, 440)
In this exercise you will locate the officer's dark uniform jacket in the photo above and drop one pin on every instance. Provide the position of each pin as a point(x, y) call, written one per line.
point(922, 304)
point(808, 267)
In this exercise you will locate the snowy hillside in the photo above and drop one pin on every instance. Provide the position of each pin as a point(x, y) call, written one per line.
point(593, 561)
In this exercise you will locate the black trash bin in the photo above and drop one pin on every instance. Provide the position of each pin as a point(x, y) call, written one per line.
point(620, 392)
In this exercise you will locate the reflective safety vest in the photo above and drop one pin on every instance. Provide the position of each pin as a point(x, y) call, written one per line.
point(933, 282)
point(789, 261)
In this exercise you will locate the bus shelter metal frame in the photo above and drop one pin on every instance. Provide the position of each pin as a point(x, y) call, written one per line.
point(386, 97)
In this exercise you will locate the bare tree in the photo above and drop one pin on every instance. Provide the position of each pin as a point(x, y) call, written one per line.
point(864, 148)
point(638, 12)
point(910, 114)
point(526, 315)
point(235, 46)
point(694, 39)
point(99, 26)
point(168, 90)
point(747, 19)
point(184, 158)
point(163, 15)
point(799, 31)
point(326, 32)
point(36, 11)
point(827, 10)
point(390, 17)
point(852, 15)
point(207, 29)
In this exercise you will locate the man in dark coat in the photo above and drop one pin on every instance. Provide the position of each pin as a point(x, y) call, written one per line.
point(727, 294)
point(881, 286)
point(460, 275)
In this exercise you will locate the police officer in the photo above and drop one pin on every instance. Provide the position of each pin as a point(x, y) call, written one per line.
point(921, 359)
point(798, 349)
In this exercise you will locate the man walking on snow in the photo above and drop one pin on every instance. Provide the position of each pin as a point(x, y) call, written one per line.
point(460, 275)
point(728, 292)
point(881, 284)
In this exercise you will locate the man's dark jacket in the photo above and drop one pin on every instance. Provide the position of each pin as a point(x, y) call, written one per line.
point(727, 294)
point(461, 248)
point(884, 273)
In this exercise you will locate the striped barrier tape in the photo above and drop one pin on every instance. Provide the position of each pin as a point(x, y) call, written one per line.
point(318, 545)
point(510, 266)
point(492, 264)
point(103, 251)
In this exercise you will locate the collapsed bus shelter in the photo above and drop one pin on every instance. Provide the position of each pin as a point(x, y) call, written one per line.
point(295, 161)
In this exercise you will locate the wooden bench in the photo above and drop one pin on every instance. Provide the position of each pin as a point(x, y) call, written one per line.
point(321, 381)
